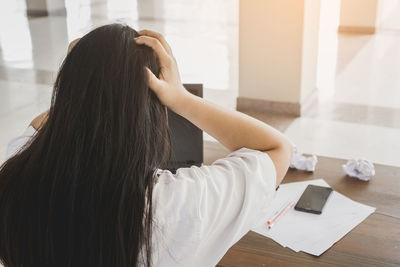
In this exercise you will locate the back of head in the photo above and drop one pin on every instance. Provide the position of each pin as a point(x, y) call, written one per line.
point(79, 194)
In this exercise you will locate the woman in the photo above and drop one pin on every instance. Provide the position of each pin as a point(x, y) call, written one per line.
point(85, 190)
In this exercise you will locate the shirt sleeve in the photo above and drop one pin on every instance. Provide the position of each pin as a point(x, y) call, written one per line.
point(18, 142)
point(234, 194)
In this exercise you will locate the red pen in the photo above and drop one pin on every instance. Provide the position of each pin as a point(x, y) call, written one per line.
point(274, 220)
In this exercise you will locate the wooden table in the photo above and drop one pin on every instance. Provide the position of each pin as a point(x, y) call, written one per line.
point(374, 242)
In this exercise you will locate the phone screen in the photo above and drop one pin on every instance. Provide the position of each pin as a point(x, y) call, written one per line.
point(313, 199)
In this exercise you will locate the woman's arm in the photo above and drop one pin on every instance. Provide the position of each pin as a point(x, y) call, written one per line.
point(236, 130)
point(231, 128)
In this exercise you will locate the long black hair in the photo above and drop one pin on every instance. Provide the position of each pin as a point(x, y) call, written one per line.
point(80, 192)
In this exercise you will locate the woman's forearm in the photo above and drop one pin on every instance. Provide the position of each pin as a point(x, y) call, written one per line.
point(231, 128)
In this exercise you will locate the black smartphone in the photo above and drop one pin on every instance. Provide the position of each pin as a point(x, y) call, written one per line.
point(313, 199)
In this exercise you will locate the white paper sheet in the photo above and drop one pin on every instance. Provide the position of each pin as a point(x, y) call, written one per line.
point(312, 233)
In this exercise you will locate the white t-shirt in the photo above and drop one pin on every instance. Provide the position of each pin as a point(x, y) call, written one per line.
point(200, 212)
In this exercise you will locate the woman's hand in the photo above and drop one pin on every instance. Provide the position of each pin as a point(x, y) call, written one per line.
point(168, 86)
point(38, 122)
point(72, 44)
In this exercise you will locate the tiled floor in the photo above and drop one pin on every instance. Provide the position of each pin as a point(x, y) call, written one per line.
point(19, 104)
point(358, 114)
point(324, 137)
point(370, 74)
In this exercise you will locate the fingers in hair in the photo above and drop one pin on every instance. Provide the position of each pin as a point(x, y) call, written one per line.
point(159, 37)
point(163, 57)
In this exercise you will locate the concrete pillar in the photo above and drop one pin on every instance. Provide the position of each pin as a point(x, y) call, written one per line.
point(328, 48)
point(358, 16)
point(278, 52)
point(41, 8)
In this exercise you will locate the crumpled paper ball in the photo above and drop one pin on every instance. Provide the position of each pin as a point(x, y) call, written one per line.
point(359, 168)
point(303, 163)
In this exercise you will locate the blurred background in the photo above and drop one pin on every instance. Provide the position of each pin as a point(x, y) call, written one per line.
point(324, 72)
